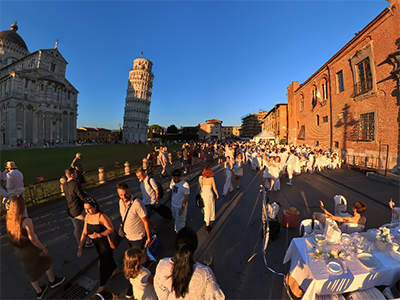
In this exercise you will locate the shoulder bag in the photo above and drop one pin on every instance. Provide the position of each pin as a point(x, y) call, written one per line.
point(199, 199)
point(121, 231)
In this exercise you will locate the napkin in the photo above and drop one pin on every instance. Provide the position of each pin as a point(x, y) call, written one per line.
point(332, 232)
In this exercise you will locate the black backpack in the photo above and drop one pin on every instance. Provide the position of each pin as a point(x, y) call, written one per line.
point(159, 188)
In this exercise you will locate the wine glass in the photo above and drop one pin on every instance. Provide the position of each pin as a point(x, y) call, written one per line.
point(207, 259)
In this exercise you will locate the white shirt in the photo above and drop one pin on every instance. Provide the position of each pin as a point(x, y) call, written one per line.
point(148, 188)
point(179, 190)
point(15, 183)
point(133, 227)
point(202, 284)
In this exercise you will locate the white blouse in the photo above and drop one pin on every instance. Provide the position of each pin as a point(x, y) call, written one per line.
point(202, 286)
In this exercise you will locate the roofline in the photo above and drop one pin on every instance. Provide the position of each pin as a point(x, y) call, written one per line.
point(358, 36)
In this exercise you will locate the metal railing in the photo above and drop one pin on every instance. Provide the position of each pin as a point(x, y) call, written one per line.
point(51, 189)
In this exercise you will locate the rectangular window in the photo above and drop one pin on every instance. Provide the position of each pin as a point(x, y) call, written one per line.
point(367, 127)
point(53, 67)
point(302, 133)
point(325, 119)
point(25, 96)
point(336, 144)
point(26, 83)
point(340, 84)
point(364, 83)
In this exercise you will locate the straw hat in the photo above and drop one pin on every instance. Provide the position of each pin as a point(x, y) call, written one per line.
point(292, 211)
point(11, 165)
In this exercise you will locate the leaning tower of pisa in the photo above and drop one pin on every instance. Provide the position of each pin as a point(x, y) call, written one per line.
point(137, 102)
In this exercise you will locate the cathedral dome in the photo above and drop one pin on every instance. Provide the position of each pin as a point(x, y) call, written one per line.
point(12, 36)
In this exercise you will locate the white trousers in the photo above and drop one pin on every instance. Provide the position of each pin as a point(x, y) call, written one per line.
point(228, 183)
point(180, 220)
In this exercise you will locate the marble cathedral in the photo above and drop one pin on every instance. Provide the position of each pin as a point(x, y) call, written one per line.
point(37, 102)
point(137, 102)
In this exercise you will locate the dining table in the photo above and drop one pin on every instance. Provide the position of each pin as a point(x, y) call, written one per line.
point(311, 264)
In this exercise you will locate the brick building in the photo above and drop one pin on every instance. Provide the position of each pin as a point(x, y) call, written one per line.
point(351, 104)
point(275, 122)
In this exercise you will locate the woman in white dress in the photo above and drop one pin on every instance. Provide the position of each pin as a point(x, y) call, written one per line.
point(206, 188)
point(228, 176)
point(238, 169)
point(181, 277)
point(139, 277)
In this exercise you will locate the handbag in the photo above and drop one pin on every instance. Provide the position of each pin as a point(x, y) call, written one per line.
point(114, 240)
point(164, 211)
point(121, 231)
point(199, 201)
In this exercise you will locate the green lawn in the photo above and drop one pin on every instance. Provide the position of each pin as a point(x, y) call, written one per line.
point(50, 163)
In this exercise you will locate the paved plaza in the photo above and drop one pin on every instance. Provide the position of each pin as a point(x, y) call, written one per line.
point(235, 241)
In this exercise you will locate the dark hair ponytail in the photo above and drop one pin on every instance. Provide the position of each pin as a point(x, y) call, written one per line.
point(185, 244)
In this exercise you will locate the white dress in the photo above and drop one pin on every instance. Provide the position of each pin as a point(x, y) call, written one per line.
point(142, 289)
point(228, 180)
point(207, 194)
point(202, 286)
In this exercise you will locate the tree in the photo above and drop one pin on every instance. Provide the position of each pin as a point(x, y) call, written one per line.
point(154, 129)
point(172, 129)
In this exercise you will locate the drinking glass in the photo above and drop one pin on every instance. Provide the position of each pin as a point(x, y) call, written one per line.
point(207, 259)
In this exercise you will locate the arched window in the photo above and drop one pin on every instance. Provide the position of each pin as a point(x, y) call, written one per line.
point(301, 103)
point(324, 89)
point(314, 96)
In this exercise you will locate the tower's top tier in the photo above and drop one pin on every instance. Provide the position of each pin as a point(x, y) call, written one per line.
point(142, 64)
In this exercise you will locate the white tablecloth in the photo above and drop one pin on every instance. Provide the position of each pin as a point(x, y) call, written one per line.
point(313, 276)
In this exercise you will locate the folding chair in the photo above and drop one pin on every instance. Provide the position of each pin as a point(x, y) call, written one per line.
point(340, 206)
point(307, 228)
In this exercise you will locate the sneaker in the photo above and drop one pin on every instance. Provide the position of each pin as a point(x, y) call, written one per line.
point(208, 229)
point(288, 183)
point(129, 296)
point(57, 281)
point(44, 289)
point(238, 187)
point(89, 245)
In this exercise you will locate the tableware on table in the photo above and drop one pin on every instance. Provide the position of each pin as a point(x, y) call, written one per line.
point(334, 268)
point(395, 252)
point(309, 244)
point(319, 240)
point(344, 266)
point(207, 259)
point(368, 261)
point(373, 231)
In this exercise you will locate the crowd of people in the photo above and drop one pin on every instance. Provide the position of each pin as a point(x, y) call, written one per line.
point(175, 277)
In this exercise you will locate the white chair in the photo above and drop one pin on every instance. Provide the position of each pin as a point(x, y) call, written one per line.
point(340, 205)
point(329, 297)
point(370, 294)
point(305, 228)
point(395, 218)
point(350, 228)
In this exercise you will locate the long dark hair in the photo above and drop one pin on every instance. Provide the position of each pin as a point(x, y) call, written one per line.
point(15, 216)
point(185, 244)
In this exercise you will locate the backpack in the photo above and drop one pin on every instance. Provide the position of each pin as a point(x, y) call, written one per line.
point(159, 188)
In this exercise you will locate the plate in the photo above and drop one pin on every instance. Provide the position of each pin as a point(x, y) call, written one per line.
point(395, 256)
point(369, 261)
point(335, 268)
point(319, 240)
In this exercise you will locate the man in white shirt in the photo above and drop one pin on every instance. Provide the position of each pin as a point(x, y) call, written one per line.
point(291, 163)
point(136, 226)
point(180, 195)
point(150, 196)
point(14, 181)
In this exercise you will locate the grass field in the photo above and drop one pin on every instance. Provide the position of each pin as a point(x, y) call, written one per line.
point(50, 163)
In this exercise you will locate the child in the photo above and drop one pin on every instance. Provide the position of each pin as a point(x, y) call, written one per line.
point(139, 277)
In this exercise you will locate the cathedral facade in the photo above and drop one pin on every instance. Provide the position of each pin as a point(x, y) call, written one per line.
point(137, 101)
point(37, 103)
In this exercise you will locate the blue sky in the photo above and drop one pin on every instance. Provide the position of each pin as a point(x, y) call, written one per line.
point(211, 59)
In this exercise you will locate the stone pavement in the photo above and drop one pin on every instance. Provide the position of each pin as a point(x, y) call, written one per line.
point(377, 188)
point(54, 228)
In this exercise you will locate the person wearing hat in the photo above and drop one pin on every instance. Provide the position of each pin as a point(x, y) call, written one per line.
point(80, 168)
point(292, 211)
